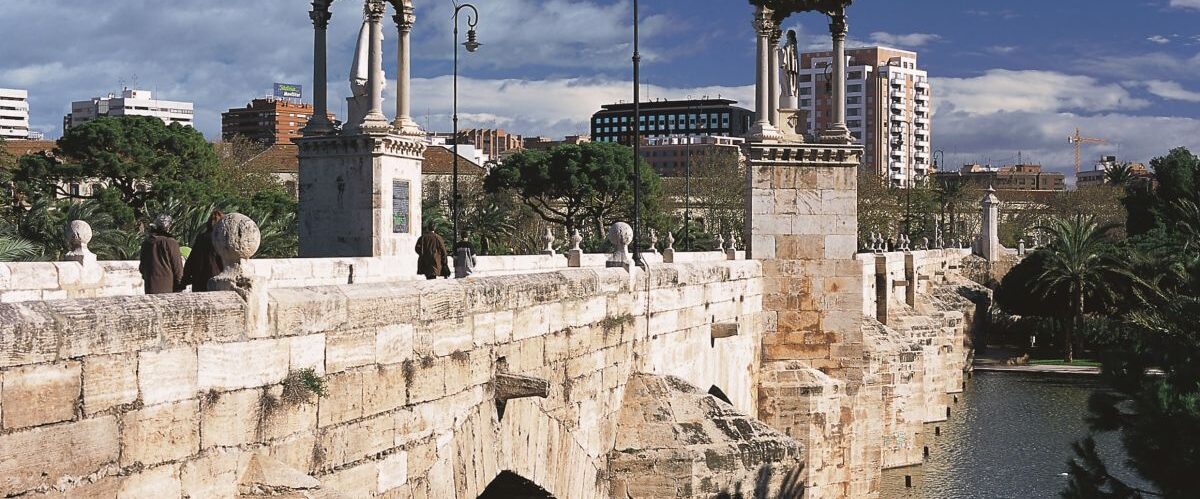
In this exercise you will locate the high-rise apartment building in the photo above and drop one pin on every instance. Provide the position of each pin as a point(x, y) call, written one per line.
point(14, 114)
point(496, 143)
point(887, 108)
point(268, 120)
point(131, 102)
point(717, 117)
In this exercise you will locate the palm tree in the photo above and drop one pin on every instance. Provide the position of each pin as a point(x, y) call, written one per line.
point(1119, 174)
point(1080, 264)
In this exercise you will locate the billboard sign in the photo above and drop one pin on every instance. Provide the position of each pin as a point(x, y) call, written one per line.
point(289, 91)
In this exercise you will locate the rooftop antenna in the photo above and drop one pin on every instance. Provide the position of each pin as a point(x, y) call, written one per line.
point(1019, 158)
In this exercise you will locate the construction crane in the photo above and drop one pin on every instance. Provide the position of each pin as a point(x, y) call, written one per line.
point(1078, 141)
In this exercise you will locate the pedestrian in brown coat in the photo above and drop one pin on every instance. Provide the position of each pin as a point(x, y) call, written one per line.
point(162, 267)
point(431, 254)
point(204, 262)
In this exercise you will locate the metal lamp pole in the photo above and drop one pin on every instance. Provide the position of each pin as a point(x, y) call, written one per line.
point(687, 196)
point(471, 45)
point(637, 143)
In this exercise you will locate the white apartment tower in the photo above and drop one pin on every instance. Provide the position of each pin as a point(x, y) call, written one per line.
point(887, 108)
point(130, 103)
point(14, 114)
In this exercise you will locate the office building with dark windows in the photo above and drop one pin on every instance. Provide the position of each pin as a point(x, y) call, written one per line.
point(664, 118)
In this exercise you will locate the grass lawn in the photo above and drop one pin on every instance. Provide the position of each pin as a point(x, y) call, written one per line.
point(1059, 362)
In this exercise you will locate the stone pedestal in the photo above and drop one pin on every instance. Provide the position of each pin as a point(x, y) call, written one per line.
point(360, 195)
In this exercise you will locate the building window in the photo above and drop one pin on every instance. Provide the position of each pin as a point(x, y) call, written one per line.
point(854, 88)
point(805, 90)
point(854, 100)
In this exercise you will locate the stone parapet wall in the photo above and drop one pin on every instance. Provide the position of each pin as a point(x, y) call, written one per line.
point(34, 281)
point(176, 395)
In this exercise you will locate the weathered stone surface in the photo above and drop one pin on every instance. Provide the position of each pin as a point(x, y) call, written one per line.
point(231, 366)
point(41, 456)
point(160, 433)
point(353, 348)
point(109, 381)
point(40, 394)
point(167, 375)
point(344, 399)
point(162, 481)
point(394, 344)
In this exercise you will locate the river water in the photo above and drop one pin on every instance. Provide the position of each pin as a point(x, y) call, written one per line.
point(1009, 438)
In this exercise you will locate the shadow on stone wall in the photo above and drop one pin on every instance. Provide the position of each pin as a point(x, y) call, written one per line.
point(790, 486)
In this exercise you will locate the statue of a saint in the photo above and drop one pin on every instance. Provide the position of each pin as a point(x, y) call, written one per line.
point(789, 68)
point(359, 102)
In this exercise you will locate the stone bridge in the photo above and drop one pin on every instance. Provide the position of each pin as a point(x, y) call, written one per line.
point(588, 382)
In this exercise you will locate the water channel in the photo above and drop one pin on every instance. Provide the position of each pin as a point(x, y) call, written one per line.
point(1010, 437)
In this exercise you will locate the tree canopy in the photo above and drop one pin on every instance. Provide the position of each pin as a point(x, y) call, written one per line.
point(578, 185)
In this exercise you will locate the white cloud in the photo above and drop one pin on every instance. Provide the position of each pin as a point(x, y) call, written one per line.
point(910, 40)
point(1186, 4)
point(1001, 90)
point(1159, 39)
point(1171, 90)
point(1002, 49)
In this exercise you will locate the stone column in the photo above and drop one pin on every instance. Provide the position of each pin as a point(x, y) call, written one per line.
point(837, 132)
point(773, 76)
point(319, 123)
point(764, 26)
point(375, 120)
point(405, 17)
point(989, 237)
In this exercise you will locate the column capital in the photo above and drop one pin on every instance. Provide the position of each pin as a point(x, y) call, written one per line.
point(838, 26)
point(405, 15)
point(375, 9)
point(320, 14)
point(764, 21)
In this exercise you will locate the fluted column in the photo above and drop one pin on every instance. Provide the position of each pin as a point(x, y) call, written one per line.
point(837, 132)
point(405, 17)
point(375, 120)
point(764, 26)
point(319, 123)
point(773, 76)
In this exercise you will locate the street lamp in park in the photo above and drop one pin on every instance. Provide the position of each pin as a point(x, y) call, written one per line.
point(900, 142)
point(471, 45)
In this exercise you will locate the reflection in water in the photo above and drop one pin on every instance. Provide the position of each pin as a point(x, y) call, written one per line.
point(1010, 437)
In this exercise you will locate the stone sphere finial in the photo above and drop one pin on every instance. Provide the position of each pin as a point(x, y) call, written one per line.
point(236, 238)
point(77, 235)
point(620, 234)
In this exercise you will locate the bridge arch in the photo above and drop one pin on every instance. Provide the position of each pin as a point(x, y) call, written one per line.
point(509, 485)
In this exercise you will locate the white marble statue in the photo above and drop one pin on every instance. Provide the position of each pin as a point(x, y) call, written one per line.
point(789, 73)
point(359, 102)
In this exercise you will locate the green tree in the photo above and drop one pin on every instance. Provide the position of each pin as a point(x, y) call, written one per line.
point(577, 185)
point(1119, 174)
point(134, 160)
point(1079, 263)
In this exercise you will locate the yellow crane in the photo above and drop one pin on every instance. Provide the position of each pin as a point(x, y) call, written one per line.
point(1078, 141)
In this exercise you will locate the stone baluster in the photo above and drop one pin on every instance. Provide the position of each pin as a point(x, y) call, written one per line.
point(924, 243)
point(548, 240)
point(1021, 247)
point(375, 121)
point(319, 123)
point(575, 254)
point(720, 243)
point(731, 251)
point(405, 18)
point(77, 235)
point(653, 249)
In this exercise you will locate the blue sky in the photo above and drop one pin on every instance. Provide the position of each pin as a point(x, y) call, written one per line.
point(1017, 75)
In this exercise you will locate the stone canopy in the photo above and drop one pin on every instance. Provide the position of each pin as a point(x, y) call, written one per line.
point(785, 8)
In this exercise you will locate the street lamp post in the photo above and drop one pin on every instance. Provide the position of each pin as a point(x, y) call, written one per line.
point(900, 142)
point(471, 45)
point(637, 143)
point(687, 195)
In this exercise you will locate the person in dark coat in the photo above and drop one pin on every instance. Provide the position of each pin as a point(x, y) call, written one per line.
point(431, 254)
point(204, 262)
point(161, 266)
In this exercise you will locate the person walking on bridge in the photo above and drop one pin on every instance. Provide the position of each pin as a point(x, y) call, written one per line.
point(431, 254)
point(161, 265)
